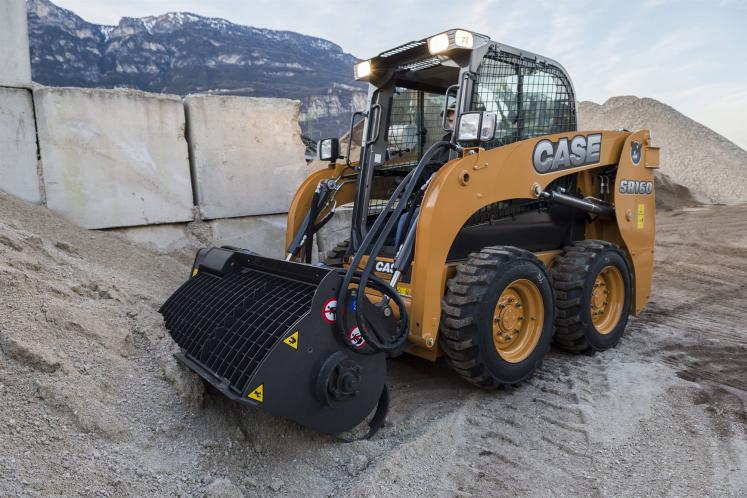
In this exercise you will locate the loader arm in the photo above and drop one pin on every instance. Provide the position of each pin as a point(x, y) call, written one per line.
point(302, 199)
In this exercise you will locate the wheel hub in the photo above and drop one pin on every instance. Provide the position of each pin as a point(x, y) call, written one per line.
point(518, 320)
point(607, 299)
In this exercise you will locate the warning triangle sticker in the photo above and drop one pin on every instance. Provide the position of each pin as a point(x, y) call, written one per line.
point(258, 394)
point(292, 340)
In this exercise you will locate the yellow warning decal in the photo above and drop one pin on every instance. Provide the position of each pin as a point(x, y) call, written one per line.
point(194, 272)
point(404, 291)
point(258, 394)
point(641, 215)
point(292, 340)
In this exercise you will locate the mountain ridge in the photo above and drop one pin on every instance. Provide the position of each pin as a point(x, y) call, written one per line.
point(183, 53)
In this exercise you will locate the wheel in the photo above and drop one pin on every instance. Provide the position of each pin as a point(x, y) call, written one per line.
point(498, 316)
point(336, 255)
point(593, 296)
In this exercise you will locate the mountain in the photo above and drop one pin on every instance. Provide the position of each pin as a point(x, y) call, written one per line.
point(184, 53)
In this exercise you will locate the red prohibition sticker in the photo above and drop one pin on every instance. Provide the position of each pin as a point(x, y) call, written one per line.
point(329, 310)
point(356, 338)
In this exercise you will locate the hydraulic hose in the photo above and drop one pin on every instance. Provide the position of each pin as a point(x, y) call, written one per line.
point(377, 236)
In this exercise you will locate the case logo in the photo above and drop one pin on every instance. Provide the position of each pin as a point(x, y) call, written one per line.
point(384, 267)
point(549, 156)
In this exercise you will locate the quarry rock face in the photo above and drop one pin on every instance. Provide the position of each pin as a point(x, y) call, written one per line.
point(15, 68)
point(693, 156)
point(18, 164)
point(247, 154)
point(114, 158)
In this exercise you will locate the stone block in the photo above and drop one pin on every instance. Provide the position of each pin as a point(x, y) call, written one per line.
point(18, 158)
point(15, 62)
point(264, 235)
point(247, 154)
point(114, 158)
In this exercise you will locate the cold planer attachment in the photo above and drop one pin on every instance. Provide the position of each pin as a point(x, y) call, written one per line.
point(262, 331)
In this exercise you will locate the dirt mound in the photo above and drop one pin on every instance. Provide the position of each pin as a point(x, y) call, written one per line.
point(694, 157)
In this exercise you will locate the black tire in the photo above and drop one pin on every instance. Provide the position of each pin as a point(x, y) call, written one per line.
point(574, 273)
point(336, 255)
point(468, 313)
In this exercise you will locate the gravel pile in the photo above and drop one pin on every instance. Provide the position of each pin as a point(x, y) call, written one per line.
point(712, 168)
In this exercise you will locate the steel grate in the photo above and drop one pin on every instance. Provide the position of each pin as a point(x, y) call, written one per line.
point(415, 123)
point(229, 324)
point(531, 98)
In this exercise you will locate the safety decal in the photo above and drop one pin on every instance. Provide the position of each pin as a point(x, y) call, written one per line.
point(329, 310)
point(194, 272)
point(258, 394)
point(404, 291)
point(356, 338)
point(292, 340)
point(641, 215)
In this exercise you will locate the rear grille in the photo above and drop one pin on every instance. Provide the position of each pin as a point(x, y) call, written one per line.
point(229, 324)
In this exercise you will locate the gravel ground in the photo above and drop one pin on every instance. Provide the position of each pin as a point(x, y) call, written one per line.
point(95, 405)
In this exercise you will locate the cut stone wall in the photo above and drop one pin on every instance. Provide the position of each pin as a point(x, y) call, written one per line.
point(264, 235)
point(15, 63)
point(247, 154)
point(114, 158)
point(18, 158)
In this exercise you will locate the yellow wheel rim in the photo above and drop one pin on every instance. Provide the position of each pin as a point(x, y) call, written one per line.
point(607, 299)
point(518, 320)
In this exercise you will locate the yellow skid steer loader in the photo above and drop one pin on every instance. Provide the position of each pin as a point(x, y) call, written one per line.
point(480, 241)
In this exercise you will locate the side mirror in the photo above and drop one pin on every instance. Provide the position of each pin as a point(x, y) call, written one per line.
point(476, 127)
point(328, 149)
point(449, 97)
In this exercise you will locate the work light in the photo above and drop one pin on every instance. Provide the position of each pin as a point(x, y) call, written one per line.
point(451, 39)
point(476, 127)
point(363, 70)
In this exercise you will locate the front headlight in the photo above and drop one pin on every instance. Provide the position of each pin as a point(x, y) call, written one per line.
point(463, 39)
point(469, 127)
point(476, 127)
point(438, 43)
point(459, 38)
point(363, 70)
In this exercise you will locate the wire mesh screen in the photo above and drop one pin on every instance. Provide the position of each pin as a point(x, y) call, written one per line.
point(415, 123)
point(229, 324)
point(530, 98)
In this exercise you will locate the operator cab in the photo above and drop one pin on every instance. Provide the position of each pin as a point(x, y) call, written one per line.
point(500, 95)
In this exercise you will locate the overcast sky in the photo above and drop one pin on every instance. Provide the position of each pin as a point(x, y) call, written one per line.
point(690, 54)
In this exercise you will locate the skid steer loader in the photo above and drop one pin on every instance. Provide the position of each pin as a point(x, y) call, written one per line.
point(480, 244)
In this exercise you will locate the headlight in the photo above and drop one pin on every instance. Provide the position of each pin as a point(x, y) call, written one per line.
point(363, 70)
point(463, 39)
point(438, 43)
point(451, 39)
point(328, 149)
point(469, 127)
point(476, 127)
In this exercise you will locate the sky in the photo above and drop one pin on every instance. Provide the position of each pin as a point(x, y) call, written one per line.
point(690, 54)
